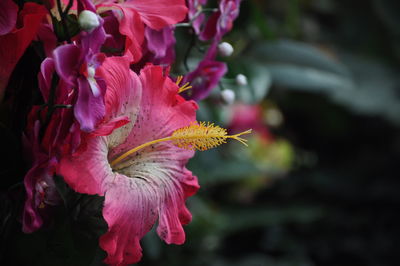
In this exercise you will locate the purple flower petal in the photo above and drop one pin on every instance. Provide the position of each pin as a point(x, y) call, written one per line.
point(67, 60)
point(92, 41)
point(194, 6)
point(204, 78)
point(161, 43)
point(221, 21)
point(89, 110)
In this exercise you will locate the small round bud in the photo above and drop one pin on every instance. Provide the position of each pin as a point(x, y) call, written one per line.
point(228, 96)
point(241, 80)
point(225, 49)
point(88, 20)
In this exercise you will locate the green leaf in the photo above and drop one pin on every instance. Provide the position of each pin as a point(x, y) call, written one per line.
point(72, 26)
point(377, 89)
point(296, 53)
point(307, 78)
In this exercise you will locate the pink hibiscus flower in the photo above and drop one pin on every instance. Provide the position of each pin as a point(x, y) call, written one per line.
point(249, 116)
point(154, 183)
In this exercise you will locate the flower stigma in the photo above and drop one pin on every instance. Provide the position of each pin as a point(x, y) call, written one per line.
point(197, 136)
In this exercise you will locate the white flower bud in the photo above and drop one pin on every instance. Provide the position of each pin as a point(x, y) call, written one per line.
point(228, 96)
point(225, 49)
point(241, 80)
point(88, 20)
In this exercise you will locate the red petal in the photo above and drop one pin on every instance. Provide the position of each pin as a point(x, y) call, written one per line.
point(8, 16)
point(159, 13)
point(13, 45)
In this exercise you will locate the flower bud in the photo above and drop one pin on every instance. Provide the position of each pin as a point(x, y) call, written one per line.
point(241, 80)
point(228, 96)
point(225, 49)
point(88, 20)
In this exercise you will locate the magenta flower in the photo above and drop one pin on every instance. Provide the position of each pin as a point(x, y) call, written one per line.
point(195, 6)
point(209, 71)
point(160, 45)
point(39, 185)
point(154, 183)
point(206, 76)
point(78, 69)
point(221, 21)
point(43, 152)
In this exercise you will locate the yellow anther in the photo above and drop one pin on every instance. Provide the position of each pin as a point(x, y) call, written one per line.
point(183, 88)
point(178, 80)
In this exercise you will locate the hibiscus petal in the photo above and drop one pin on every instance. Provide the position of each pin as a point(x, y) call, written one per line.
point(132, 205)
point(106, 129)
point(86, 172)
point(154, 182)
point(157, 14)
point(131, 26)
point(127, 223)
point(157, 187)
point(122, 97)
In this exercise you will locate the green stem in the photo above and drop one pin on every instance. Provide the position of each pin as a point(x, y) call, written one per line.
point(63, 18)
point(50, 105)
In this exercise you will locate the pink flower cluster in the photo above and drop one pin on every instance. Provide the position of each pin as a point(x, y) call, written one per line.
point(106, 90)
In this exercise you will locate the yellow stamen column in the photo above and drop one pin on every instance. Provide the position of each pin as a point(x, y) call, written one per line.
point(196, 136)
